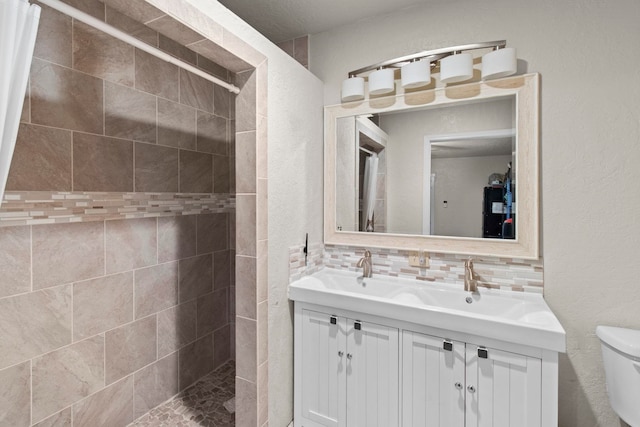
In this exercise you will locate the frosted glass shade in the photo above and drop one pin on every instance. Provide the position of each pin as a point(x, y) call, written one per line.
point(381, 81)
point(456, 68)
point(416, 74)
point(499, 63)
point(353, 89)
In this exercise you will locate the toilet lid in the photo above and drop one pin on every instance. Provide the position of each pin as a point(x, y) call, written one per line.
point(622, 339)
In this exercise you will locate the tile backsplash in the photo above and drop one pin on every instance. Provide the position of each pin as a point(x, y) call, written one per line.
point(301, 265)
point(498, 273)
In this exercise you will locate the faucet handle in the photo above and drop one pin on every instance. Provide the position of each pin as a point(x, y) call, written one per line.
point(367, 254)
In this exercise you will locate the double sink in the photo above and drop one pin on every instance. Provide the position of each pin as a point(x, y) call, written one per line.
point(515, 317)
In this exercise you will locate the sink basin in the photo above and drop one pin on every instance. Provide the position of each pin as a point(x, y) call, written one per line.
point(515, 317)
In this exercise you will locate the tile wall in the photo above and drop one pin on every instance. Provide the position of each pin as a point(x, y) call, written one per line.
point(298, 49)
point(117, 288)
point(179, 20)
point(301, 264)
point(252, 302)
point(49, 207)
point(103, 116)
point(89, 308)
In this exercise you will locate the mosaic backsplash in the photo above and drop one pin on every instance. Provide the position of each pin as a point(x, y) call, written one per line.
point(299, 266)
point(491, 272)
point(46, 207)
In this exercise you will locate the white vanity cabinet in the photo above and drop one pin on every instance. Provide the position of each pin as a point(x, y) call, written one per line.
point(347, 372)
point(453, 384)
point(433, 381)
point(354, 369)
point(503, 389)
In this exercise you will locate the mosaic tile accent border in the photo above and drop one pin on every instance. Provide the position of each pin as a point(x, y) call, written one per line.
point(49, 207)
point(497, 273)
point(314, 263)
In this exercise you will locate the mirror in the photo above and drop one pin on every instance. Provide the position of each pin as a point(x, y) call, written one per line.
point(451, 170)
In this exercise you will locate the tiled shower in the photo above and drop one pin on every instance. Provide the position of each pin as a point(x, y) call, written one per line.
point(117, 240)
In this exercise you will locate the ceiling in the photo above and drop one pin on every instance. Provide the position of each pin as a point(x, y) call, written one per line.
point(281, 20)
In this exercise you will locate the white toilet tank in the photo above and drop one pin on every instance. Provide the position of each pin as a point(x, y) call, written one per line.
point(621, 356)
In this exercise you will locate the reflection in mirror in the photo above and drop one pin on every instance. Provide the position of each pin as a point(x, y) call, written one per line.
point(407, 132)
point(430, 171)
point(464, 177)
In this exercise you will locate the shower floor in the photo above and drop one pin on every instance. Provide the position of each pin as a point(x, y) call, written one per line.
point(204, 404)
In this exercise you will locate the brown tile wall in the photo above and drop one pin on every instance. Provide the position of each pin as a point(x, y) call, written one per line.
point(103, 116)
point(103, 319)
point(251, 305)
point(89, 308)
point(298, 49)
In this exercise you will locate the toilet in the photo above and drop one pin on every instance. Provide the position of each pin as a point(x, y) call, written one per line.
point(621, 356)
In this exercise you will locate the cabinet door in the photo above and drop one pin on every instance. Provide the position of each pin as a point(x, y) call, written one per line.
point(433, 375)
point(323, 369)
point(372, 375)
point(503, 389)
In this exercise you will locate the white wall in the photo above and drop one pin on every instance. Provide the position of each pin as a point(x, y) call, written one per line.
point(295, 151)
point(589, 59)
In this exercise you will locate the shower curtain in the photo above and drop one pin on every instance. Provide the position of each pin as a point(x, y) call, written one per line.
point(369, 191)
point(18, 28)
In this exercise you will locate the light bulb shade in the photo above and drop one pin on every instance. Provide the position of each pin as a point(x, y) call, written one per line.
point(456, 68)
point(416, 74)
point(499, 63)
point(381, 81)
point(352, 89)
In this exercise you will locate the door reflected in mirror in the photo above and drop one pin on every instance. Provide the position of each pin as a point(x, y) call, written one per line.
point(445, 171)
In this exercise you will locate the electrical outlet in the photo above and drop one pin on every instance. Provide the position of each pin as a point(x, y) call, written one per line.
point(419, 259)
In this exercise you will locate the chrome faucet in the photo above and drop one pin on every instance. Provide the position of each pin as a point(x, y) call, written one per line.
point(365, 264)
point(470, 284)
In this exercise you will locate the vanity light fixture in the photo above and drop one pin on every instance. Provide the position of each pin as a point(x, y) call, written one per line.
point(416, 74)
point(353, 89)
point(456, 68)
point(455, 65)
point(499, 63)
point(381, 81)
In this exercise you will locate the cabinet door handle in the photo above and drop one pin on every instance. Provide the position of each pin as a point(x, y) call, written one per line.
point(341, 353)
point(458, 386)
point(471, 389)
point(357, 326)
point(447, 345)
point(483, 353)
point(349, 356)
point(333, 320)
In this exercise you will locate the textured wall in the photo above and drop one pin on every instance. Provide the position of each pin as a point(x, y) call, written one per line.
point(590, 151)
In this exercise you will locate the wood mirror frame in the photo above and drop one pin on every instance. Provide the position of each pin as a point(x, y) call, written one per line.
point(526, 245)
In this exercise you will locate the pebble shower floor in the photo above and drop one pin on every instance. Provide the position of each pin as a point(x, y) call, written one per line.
point(208, 403)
